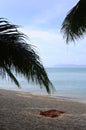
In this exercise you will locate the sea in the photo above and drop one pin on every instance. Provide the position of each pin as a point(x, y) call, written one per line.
point(69, 83)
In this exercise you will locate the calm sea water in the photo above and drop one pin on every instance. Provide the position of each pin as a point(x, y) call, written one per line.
point(69, 82)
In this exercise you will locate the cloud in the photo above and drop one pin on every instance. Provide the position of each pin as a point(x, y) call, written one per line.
point(52, 48)
point(44, 35)
point(49, 45)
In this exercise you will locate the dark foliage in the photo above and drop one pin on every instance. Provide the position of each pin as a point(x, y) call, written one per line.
point(74, 25)
point(17, 55)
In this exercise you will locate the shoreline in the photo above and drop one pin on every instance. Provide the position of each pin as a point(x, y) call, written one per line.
point(21, 111)
point(49, 95)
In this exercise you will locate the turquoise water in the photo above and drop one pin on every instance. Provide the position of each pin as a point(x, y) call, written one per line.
point(69, 82)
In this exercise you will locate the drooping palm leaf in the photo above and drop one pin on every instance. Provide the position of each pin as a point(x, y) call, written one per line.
point(16, 54)
point(74, 25)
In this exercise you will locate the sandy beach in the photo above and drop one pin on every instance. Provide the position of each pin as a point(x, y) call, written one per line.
point(21, 111)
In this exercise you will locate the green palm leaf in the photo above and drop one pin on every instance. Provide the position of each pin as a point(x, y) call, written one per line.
point(17, 55)
point(74, 25)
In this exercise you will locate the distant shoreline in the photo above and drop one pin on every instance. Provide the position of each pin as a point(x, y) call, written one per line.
point(67, 66)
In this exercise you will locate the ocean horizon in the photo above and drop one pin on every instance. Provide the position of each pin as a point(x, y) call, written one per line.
point(69, 83)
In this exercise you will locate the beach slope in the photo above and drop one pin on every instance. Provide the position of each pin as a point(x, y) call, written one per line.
point(21, 111)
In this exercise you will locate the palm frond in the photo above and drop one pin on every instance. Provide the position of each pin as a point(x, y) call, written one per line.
point(16, 54)
point(74, 25)
point(13, 78)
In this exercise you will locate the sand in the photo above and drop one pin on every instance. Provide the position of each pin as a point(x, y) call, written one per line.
point(21, 111)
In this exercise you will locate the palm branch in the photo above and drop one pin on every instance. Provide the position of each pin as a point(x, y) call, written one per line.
point(74, 25)
point(16, 55)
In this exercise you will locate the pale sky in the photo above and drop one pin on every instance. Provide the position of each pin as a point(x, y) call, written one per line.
point(41, 20)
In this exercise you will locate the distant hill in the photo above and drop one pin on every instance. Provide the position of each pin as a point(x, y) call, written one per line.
point(69, 66)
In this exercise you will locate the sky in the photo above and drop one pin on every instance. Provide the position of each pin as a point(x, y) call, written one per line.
point(41, 21)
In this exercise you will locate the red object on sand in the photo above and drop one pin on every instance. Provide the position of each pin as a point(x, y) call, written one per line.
point(51, 113)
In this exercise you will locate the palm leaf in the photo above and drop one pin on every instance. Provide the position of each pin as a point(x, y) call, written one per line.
point(13, 78)
point(74, 25)
point(17, 55)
